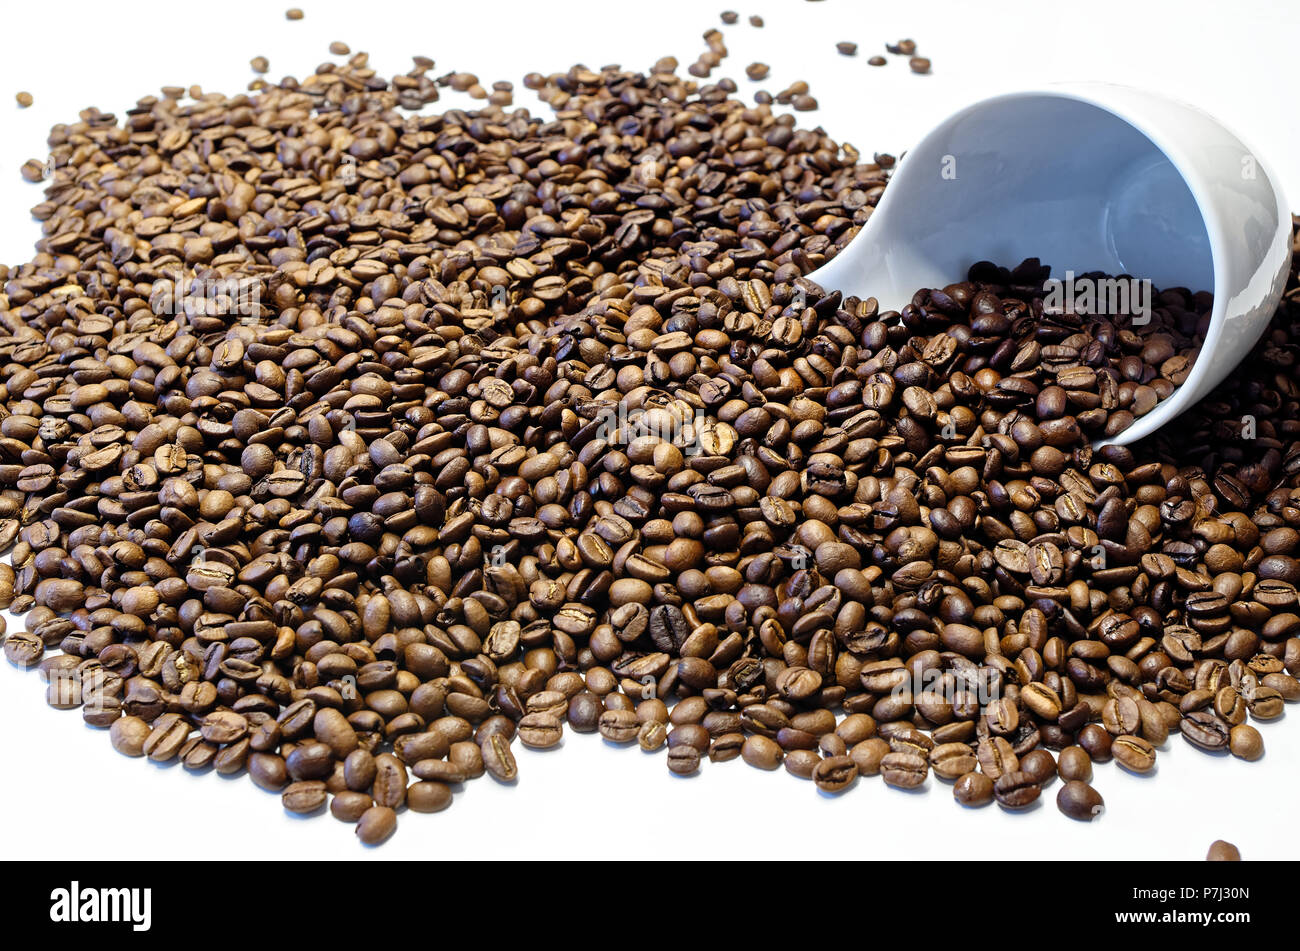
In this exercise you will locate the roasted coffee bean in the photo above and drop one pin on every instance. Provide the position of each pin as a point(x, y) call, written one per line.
point(540, 731)
point(973, 789)
point(376, 824)
point(801, 762)
point(1079, 801)
point(304, 797)
point(619, 726)
point(1221, 851)
point(1205, 730)
point(1134, 754)
point(904, 770)
point(428, 796)
point(24, 650)
point(128, 735)
point(835, 774)
point(348, 806)
point(761, 752)
point(868, 755)
point(389, 785)
point(1039, 766)
point(683, 760)
point(499, 759)
point(1074, 764)
point(1245, 742)
point(1016, 790)
point(952, 760)
point(996, 757)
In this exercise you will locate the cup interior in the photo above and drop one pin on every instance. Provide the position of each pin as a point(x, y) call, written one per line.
point(1046, 176)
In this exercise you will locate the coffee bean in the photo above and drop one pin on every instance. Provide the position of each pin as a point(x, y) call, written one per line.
point(761, 752)
point(428, 796)
point(996, 757)
point(1245, 742)
point(304, 797)
point(1039, 766)
point(683, 760)
point(1079, 801)
point(376, 824)
point(952, 760)
point(619, 726)
point(1134, 754)
point(24, 650)
point(348, 806)
point(128, 735)
point(868, 755)
point(1074, 764)
point(726, 747)
point(834, 774)
point(904, 770)
point(651, 735)
point(973, 789)
point(1221, 851)
point(1205, 730)
point(499, 760)
point(1016, 790)
point(389, 785)
point(540, 731)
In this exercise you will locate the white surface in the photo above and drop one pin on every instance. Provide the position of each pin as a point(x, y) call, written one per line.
point(68, 795)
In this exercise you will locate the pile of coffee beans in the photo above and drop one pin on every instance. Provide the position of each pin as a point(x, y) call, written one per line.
point(349, 447)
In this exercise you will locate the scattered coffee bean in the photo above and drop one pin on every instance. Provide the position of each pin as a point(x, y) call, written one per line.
point(835, 774)
point(304, 797)
point(904, 770)
point(683, 760)
point(1221, 851)
point(1245, 742)
point(973, 789)
point(376, 824)
point(428, 796)
point(1134, 754)
point(1079, 801)
point(1016, 790)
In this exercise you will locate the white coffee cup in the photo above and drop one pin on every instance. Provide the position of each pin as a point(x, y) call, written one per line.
point(1086, 177)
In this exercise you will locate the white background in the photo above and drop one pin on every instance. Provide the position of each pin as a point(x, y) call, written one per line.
point(65, 793)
